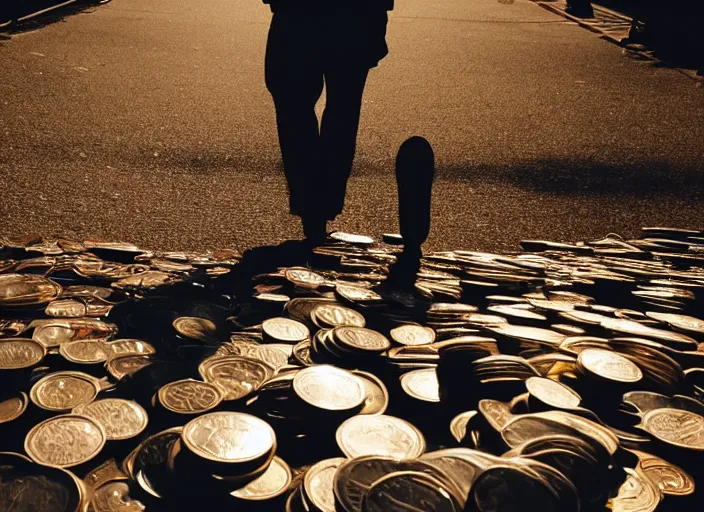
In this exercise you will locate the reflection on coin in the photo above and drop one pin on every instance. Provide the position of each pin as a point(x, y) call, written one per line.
point(120, 367)
point(357, 294)
point(121, 419)
point(271, 484)
point(379, 435)
point(359, 338)
point(552, 393)
point(422, 384)
point(236, 376)
point(458, 425)
point(330, 315)
point(609, 365)
point(189, 396)
point(318, 484)
point(285, 330)
point(275, 355)
point(114, 497)
point(64, 391)
point(229, 437)
point(329, 388)
point(17, 353)
point(409, 490)
point(125, 347)
point(350, 238)
point(677, 427)
point(413, 335)
point(671, 479)
point(65, 441)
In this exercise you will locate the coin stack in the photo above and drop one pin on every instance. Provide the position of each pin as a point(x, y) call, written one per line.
point(566, 376)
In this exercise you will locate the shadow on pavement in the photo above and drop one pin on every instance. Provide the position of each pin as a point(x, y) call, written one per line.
point(15, 10)
point(578, 177)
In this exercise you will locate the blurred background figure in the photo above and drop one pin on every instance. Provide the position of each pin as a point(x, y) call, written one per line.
point(580, 8)
point(314, 43)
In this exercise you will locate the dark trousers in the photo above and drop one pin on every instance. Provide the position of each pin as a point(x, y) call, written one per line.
point(305, 51)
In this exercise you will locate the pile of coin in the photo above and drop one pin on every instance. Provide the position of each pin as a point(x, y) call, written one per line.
point(564, 377)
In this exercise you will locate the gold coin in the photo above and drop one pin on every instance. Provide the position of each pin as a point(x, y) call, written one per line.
point(609, 365)
point(671, 479)
point(285, 330)
point(410, 491)
point(13, 407)
point(413, 335)
point(236, 376)
point(189, 396)
point(304, 278)
point(318, 484)
point(65, 441)
point(361, 339)
point(27, 290)
point(64, 391)
point(121, 419)
point(84, 351)
point(330, 315)
point(376, 395)
point(229, 437)
point(637, 494)
point(677, 427)
point(379, 435)
point(120, 367)
point(275, 480)
point(328, 387)
point(195, 328)
point(422, 384)
point(552, 393)
point(119, 348)
point(18, 353)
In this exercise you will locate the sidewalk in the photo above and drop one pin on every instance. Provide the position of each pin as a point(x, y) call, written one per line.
point(615, 27)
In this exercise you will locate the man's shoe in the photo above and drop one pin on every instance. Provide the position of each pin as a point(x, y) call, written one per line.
point(315, 230)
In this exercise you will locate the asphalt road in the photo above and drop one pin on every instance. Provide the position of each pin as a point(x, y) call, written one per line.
point(149, 122)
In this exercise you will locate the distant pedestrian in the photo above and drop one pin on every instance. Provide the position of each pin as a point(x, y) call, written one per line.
point(311, 43)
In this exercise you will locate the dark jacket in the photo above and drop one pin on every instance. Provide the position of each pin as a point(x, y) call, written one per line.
point(328, 5)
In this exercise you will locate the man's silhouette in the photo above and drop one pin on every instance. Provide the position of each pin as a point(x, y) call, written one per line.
point(311, 43)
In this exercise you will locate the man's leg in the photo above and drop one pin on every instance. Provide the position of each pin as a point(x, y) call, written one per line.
point(338, 133)
point(294, 78)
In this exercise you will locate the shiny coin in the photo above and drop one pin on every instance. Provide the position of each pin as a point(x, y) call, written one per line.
point(17, 290)
point(18, 353)
point(84, 351)
point(329, 388)
point(379, 435)
point(189, 396)
point(350, 238)
point(409, 491)
point(64, 391)
point(361, 339)
point(410, 335)
point(357, 294)
point(355, 477)
point(422, 384)
point(552, 393)
point(609, 365)
point(120, 419)
point(531, 334)
point(275, 355)
point(376, 398)
point(669, 478)
point(273, 483)
point(318, 484)
point(114, 497)
point(229, 437)
point(684, 323)
point(121, 367)
point(458, 425)
point(196, 328)
point(65, 441)
point(125, 347)
point(235, 376)
point(13, 407)
point(285, 330)
point(677, 427)
point(637, 494)
point(55, 332)
point(328, 316)
point(630, 327)
point(304, 278)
